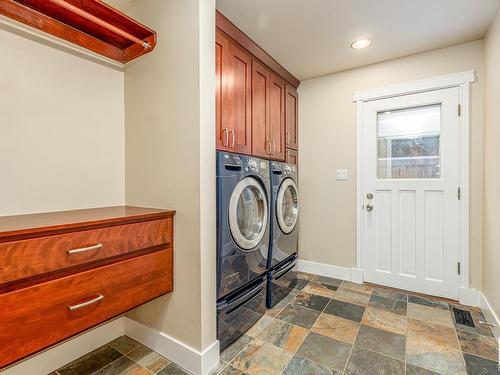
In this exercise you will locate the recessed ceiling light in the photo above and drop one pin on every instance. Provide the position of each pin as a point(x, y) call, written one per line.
point(361, 43)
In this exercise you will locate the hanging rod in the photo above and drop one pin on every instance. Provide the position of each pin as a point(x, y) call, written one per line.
point(100, 22)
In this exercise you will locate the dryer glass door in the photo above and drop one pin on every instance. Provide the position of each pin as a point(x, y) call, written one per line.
point(248, 213)
point(287, 206)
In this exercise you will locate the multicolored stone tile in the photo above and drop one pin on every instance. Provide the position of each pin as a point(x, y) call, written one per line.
point(298, 315)
point(385, 320)
point(336, 328)
point(430, 314)
point(124, 344)
point(304, 276)
point(173, 369)
point(149, 359)
point(389, 293)
point(355, 287)
point(311, 301)
point(91, 362)
point(324, 290)
point(230, 370)
point(382, 342)
point(480, 346)
point(415, 370)
point(366, 362)
point(232, 351)
point(258, 327)
point(345, 310)
point(304, 366)
point(480, 366)
point(123, 366)
point(392, 305)
point(281, 305)
point(428, 302)
point(325, 350)
point(301, 284)
point(262, 358)
point(284, 335)
point(433, 347)
point(354, 293)
point(327, 280)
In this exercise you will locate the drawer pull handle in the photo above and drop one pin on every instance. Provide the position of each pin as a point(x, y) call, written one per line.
point(84, 249)
point(84, 304)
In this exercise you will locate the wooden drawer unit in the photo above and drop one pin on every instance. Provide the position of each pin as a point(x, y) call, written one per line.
point(42, 315)
point(63, 273)
point(27, 258)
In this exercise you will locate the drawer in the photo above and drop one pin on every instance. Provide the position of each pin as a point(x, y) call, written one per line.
point(37, 317)
point(27, 258)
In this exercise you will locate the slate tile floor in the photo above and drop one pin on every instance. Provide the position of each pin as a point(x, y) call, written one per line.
point(326, 326)
point(123, 356)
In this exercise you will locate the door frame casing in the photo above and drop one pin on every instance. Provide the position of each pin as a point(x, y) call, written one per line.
point(461, 81)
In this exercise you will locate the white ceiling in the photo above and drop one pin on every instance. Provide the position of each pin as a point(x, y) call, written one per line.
point(312, 37)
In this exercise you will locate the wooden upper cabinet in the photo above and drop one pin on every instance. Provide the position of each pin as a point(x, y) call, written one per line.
point(277, 116)
point(239, 101)
point(292, 156)
point(233, 96)
point(221, 46)
point(260, 110)
point(291, 117)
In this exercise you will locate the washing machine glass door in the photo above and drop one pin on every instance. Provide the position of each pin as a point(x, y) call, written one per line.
point(248, 213)
point(287, 205)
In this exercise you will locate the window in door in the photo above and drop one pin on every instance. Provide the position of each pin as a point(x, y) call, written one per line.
point(408, 143)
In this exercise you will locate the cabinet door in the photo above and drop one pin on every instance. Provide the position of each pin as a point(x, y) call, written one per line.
point(260, 110)
point(291, 117)
point(292, 156)
point(277, 116)
point(221, 72)
point(239, 103)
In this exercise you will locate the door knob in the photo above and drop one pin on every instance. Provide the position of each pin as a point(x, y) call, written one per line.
point(369, 207)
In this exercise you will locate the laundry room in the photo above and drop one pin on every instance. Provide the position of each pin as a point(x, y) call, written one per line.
point(234, 187)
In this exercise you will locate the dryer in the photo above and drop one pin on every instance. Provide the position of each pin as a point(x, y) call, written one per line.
point(284, 231)
point(243, 192)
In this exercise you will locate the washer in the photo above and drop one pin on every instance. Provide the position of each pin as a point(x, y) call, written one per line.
point(284, 232)
point(243, 227)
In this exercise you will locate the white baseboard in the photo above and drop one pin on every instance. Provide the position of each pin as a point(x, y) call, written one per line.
point(468, 297)
point(357, 275)
point(198, 363)
point(57, 356)
point(490, 314)
point(328, 270)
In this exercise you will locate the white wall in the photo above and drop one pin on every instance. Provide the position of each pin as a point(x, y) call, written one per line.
point(328, 141)
point(61, 128)
point(491, 263)
point(170, 157)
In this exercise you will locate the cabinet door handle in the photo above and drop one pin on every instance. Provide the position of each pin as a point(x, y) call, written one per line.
point(232, 138)
point(288, 138)
point(85, 249)
point(100, 297)
point(274, 147)
point(225, 137)
point(268, 147)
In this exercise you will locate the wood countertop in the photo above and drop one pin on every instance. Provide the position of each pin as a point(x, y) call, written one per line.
point(34, 225)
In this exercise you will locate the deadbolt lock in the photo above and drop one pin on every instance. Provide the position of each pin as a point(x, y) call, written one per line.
point(369, 196)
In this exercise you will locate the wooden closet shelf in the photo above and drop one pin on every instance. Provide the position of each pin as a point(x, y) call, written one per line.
point(91, 24)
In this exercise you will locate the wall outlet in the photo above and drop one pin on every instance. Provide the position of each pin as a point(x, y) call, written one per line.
point(341, 174)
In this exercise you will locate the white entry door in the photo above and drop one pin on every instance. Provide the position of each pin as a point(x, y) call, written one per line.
point(411, 174)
